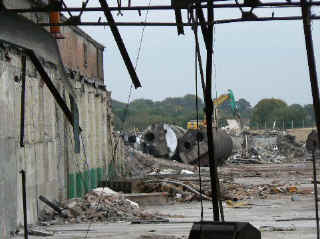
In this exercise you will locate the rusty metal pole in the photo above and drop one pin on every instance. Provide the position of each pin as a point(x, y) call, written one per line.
point(209, 111)
point(305, 9)
point(23, 95)
point(120, 44)
point(315, 188)
point(24, 201)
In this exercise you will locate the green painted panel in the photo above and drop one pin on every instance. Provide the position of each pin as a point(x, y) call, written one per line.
point(86, 181)
point(79, 185)
point(100, 174)
point(71, 186)
point(93, 178)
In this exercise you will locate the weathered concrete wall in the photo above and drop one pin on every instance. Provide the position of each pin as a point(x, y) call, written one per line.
point(44, 142)
point(52, 168)
point(8, 163)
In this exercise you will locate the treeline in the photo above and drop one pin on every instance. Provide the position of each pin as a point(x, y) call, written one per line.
point(142, 112)
point(179, 110)
point(269, 113)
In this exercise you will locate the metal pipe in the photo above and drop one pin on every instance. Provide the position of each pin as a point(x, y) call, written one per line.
point(24, 202)
point(120, 44)
point(305, 9)
point(23, 95)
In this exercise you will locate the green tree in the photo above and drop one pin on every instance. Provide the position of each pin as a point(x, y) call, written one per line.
point(268, 110)
point(310, 117)
point(245, 108)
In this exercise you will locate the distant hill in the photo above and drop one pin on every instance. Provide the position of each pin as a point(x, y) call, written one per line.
point(172, 110)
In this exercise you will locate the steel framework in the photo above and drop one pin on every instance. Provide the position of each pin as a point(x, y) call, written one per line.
point(195, 9)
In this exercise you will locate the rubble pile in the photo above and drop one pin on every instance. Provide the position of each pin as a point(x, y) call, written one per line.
point(178, 190)
point(235, 192)
point(97, 206)
point(288, 146)
point(267, 147)
point(139, 164)
point(187, 189)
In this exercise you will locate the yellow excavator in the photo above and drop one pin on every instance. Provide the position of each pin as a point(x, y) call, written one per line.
point(192, 124)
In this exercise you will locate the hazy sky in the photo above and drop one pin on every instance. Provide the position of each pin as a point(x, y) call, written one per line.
point(255, 60)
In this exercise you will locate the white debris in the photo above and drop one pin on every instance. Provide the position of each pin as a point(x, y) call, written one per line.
point(171, 139)
point(105, 191)
point(184, 171)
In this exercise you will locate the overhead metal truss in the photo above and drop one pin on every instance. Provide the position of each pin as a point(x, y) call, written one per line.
point(217, 4)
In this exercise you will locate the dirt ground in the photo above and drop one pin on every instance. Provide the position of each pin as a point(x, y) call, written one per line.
point(301, 134)
point(288, 211)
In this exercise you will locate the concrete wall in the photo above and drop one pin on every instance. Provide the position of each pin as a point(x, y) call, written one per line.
point(52, 168)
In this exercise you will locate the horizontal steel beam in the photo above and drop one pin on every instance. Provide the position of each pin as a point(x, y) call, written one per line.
point(160, 7)
point(173, 24)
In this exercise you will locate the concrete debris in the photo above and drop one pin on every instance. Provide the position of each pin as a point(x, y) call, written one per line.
point(231, 204)
point(266, 147)
point(139, 165)
point(98, 207)
point(38, 231)
point(34, 230)
point(249, 147)
point(152, 236)
point(157, 171)
point(277, 229)
point(174, 143)
point(184, 171)
point(233, 127)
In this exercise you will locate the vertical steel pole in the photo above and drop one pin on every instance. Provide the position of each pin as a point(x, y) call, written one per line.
point(24, 201)
point(23, 95)
point(315, 186)
point(209, 111)
point(305, 9)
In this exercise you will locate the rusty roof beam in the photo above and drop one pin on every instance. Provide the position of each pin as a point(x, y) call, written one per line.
point(121, 46)
point(173, 24)
point(159, 7)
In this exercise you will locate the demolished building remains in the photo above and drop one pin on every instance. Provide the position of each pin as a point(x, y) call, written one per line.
point(48, 156)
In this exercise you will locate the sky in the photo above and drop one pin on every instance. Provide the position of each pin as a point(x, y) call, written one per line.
point(255, 60)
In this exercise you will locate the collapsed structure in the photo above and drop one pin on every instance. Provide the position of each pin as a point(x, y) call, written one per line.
point(53, 167)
